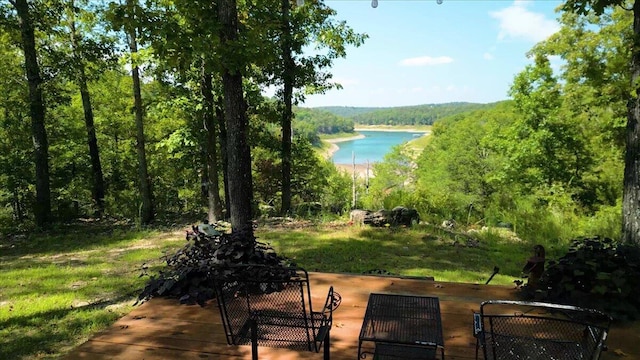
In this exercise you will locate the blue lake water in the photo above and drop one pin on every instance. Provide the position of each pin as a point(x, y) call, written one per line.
point(373, 147)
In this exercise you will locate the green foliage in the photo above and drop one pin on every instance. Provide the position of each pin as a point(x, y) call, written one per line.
point(16, 174)
point(312, 179)
point(414, 115)
point(348, 111)
point(313, 122)
point(336, 194)
point(598, 273)
point(550, 160)
point(394, 182)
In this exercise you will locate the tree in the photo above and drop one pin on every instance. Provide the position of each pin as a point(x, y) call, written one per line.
point(42, 210)
point(15, 145)
point(209, 121)
point(631, 190)
point(309, 23)
point(288, 74)
point(80, 76)
point(235, 109)
point(131, 29)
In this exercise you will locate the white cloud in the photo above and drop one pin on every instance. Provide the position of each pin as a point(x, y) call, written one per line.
point(517, 22)
point(426, 61)
point(488, 56)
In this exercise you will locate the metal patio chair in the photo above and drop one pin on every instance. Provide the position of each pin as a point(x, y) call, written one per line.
point(519, 330)
point(274, 311)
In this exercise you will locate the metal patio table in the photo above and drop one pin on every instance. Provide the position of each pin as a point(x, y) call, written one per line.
point(402, 327)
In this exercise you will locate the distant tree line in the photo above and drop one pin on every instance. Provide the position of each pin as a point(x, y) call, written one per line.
point(310, 123)
point(414, 115)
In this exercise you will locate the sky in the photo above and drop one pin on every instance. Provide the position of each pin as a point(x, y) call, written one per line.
point(419, 52)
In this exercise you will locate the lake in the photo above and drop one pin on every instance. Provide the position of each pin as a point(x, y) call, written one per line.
point(373, 147)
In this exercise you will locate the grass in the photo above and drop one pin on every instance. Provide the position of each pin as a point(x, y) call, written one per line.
point(420, 251)
point(57, 290)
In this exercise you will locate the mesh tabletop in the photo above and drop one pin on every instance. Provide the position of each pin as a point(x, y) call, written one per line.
point(402, 319)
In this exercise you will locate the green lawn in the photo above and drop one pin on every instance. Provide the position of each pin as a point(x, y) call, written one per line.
point(58, 290)
point(420, 251)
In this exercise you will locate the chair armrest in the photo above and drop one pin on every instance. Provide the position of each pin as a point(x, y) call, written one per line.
point(331, 303)
point(334, 299)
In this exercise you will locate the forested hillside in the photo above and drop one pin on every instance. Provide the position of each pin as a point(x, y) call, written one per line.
point(414, 115)
point(349, 111)
point(550, 162)
point(311, 122)
point(402, 115)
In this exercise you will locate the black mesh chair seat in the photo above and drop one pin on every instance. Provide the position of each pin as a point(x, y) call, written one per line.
point(385, 351)
point(510, 347)
point(518, 330)
point(275, 312)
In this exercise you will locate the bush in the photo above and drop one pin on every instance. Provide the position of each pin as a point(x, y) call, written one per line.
point(189, 273)
point(598, 273)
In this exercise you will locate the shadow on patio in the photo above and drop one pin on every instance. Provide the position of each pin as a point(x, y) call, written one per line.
point(164, 329)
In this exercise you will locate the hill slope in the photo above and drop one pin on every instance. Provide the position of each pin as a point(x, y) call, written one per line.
point(425, 114)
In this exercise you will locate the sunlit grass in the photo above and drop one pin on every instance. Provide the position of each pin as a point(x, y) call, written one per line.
point(58, 290)
point(422, 251)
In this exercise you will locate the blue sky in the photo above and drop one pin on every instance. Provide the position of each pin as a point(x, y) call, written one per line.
point(419, 52)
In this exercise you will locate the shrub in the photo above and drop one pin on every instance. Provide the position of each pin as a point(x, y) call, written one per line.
point(189, 273)
point(598, 273)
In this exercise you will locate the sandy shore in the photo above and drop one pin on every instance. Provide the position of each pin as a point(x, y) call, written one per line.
point(361, 170)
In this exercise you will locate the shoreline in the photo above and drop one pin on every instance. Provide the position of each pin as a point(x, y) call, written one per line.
point(362, 171)
point(332, 142)
point(333, 147)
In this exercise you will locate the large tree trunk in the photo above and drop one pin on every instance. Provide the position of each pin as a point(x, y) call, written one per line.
point(42, 208)
point(287, 114)
point(631, 196)
point(239, 164)
point(146, 213)
point(209, 120)
point(94, 153)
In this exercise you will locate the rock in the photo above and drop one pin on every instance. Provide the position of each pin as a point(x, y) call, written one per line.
point(357, 216)
point(397, 216)
point(449, 224)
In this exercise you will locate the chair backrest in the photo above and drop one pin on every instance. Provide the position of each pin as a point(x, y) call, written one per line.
point(278, 299)
point(518, 330)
